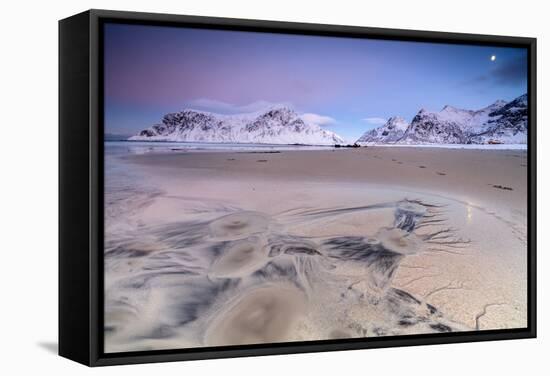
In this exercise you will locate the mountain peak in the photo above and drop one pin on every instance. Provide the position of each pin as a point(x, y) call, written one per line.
point(521, 99)
point(397, 122)
point(280, 111)
point(499, 102)
point(494, 106)
point(501, 122)
point(276, 125)
point(388, 133)
point(449, 108)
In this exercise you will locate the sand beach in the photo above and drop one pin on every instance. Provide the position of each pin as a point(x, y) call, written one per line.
point(236, 247)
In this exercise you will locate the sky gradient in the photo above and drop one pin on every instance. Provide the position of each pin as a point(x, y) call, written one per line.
point(343, 84)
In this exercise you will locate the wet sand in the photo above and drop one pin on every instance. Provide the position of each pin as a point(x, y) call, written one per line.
point(221, 248)
point(468, 174)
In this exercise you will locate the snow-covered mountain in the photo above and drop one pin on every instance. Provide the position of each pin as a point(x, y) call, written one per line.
point(278, 125)
point(507, 124)
point(501, 122)
point(392, 131)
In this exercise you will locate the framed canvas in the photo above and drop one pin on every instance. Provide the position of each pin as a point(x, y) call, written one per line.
point(236, 187)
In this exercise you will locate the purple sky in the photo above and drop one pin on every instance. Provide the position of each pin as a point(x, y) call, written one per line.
point(347, 85)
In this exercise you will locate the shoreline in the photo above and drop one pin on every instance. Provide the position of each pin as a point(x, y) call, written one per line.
point(221, 145)
point(454, 146)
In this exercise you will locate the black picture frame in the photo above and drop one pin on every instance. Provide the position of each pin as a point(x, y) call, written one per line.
point(81, 187)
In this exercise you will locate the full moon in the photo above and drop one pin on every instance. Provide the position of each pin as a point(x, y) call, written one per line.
point(493, 57)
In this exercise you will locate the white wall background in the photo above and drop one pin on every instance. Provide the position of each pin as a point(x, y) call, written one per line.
point(28, 188)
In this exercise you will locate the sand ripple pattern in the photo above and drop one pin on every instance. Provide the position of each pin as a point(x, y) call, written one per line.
point(241, 277)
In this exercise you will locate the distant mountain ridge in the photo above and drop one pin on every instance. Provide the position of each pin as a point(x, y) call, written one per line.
point(278, 125)
point(500, 123)
point(392, 131)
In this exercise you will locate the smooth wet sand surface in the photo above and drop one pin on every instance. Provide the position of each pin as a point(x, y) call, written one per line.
point(465, 174)
point(221, 248)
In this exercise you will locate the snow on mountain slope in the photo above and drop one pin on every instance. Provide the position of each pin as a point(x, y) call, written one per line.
point(501, 122)
point(507, 124)
point(279, 125)
point(451, 125)
point(390, 132)
point(443, 127)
